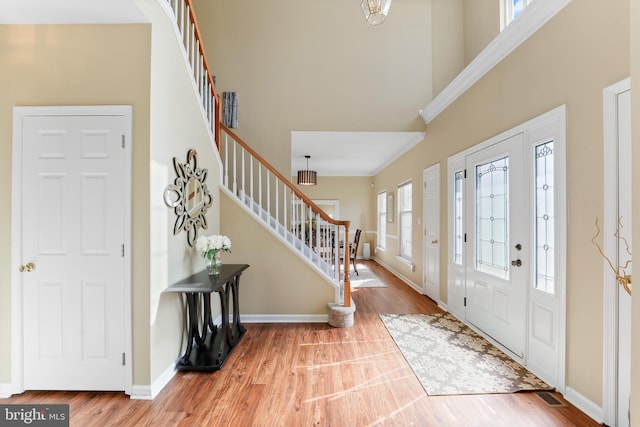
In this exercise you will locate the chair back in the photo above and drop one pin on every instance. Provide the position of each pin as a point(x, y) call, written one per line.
point(354, 245)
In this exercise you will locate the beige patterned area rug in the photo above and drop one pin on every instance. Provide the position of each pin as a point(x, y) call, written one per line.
point(448, 357)
point(365, 279)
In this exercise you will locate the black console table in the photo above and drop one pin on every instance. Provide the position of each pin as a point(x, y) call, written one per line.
point(208, 345)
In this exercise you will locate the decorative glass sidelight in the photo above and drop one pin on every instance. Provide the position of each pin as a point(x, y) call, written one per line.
point(492, 218)
point(544, 225)
point(458, 236)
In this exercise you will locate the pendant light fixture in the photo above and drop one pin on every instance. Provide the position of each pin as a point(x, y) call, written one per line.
point(375, 10)
point(307, 177)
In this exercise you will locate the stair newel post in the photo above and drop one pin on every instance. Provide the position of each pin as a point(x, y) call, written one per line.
point(347, 278)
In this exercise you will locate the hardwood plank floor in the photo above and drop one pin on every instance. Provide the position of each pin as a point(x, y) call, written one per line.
point(315, 375)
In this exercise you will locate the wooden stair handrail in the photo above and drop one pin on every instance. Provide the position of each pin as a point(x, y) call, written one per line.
point(218, 127)
point(286, 181)
point(205, 65)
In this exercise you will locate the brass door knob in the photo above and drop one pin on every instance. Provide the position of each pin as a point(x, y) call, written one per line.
point(434, 242)
point(27, 268)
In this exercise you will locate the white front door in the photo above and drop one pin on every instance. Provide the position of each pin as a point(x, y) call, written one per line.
point(431, 185)
point(497, 242)
point(73, 232)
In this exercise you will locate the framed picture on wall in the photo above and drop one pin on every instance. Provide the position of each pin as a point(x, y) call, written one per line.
point(390, 207)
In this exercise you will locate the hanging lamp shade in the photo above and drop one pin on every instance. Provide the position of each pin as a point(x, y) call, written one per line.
point(375, 10)
point(307, 177)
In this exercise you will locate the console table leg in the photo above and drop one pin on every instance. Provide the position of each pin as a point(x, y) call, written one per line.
point(237, 329)
point(193, 325)
point(224, 313)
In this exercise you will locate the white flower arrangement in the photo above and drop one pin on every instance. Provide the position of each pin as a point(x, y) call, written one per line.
point(209, 246)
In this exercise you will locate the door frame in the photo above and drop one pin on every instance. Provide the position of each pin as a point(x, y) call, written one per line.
point(425, 241)
point(610, 246)
point(19, 113)
point(556, 117)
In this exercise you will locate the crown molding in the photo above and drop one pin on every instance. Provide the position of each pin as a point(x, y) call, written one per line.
point(532, 18)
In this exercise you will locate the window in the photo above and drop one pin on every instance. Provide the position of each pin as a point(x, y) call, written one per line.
point(511, 9)
point(382, 219)
point(458, 236)
point(544, 256)
point(492, 218)
point(405, 217)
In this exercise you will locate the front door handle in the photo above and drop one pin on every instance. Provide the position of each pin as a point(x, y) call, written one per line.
point(516, 263)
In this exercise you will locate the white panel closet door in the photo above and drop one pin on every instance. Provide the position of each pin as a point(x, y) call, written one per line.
point(73, 232)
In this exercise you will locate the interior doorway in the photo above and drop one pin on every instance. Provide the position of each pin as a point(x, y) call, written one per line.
point(617, 204)
point(71, 241)
point(431, 237)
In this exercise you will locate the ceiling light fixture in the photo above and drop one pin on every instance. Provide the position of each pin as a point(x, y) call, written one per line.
point(307, 177)
point(375, 10)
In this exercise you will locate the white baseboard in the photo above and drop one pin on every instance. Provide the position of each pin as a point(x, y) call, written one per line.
point(399, 275)
point(149, 392)
point(6, 390)
point(146, 392)
point(284, 318)
point(584, 404)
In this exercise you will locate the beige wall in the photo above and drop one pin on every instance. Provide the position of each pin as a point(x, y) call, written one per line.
point(278, 281)
point(447, 41)
point(177, 125)
point(569, 61)
point(408, 168)
point(310, 66)
point(75, 65)
point(481, 26)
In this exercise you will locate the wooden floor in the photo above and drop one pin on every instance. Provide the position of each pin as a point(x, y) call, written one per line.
point(315, 375)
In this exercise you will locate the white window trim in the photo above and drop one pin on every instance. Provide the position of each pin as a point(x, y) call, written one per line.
point(381, 244)
point(532, 18)
point(409, 260)
point(507, 12)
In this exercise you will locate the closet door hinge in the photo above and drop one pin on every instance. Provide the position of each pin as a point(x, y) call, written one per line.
point(465, 301)
point(122, 141)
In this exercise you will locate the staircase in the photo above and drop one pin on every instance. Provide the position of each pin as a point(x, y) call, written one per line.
point(252, 182)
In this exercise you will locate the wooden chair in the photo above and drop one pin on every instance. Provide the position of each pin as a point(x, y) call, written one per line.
point(353, 251)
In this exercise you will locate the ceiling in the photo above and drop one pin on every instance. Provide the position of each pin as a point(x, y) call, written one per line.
point(349, 153)
point(332, 153)
point(70, 12)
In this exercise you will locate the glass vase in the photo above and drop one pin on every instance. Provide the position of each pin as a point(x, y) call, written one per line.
point(214, 264)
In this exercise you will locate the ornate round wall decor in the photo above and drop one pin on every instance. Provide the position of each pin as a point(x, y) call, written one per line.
point(189, 197)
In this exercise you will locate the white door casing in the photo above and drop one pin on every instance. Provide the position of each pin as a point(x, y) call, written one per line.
point(74, 226)
point(617, 205)
point(431, 236)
